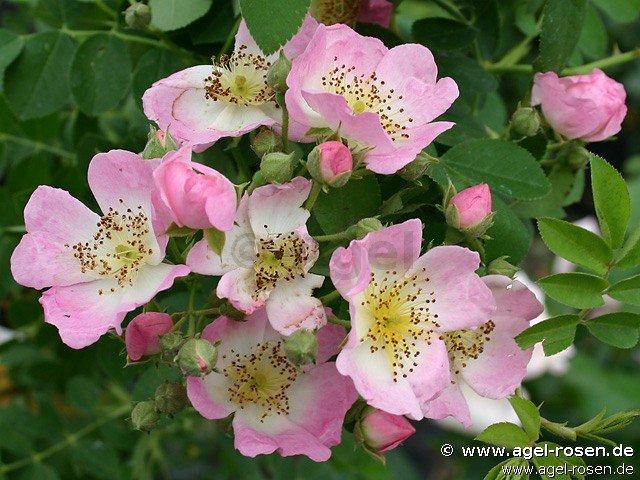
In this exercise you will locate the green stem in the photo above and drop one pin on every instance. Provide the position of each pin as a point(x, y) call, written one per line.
point(106, 8)
point(451, 10)
point(13, 229)
point(337, 321)
point(330, 297)
point(332, 237)
point(175, 251)
point(285, 121)
point(313, 195)
point(191, 331)
point(39, 146)
point(68, 441)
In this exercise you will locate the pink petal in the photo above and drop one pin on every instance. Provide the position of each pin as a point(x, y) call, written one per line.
point(450, 403)
point(143, 333)
point(291, 305)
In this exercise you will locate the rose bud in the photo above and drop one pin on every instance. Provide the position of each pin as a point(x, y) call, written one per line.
point(363, 227)
point(525, 121)
point(277, 75)
point(142, 336)
point(171, 398)
point(137, 16)
point(197, 196)
point(159, 143)
point(589, 107)
point(331, 163)
point(144, 416)
point(381, 431)
point(266, 141)
point(470, 210)
point(279, 167)
point(197, 357)
point(301, 347)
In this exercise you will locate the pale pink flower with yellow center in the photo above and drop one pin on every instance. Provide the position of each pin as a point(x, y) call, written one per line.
point(99, 267)
point(380, 100)
point(277, 406)
point(401, 304)
point(201, 104)
point(487, 358)
point(267, 257)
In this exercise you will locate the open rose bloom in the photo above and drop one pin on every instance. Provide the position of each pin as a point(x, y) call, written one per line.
point(98, 267)
point(276, 405)
point(202, 104)
point(381, 100)
point(267, 257)
point(401, 304)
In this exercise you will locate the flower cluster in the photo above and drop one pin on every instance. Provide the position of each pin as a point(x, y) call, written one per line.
point(423, 325)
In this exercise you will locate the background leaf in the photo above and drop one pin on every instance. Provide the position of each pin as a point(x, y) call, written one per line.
point(561, 27)
point(620, 329)
point(578, 290)
point(443, 34)
point(168, 15)
point(627, 291)
point(556, 334)
point(612, 201)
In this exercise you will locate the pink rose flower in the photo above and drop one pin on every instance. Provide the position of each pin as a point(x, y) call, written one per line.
point(143, 333)
point(331, 12)
point(267, 257)
point(487, 358)
point(382, 431)
point(378, 99)
point(98, 267)
point(202, 104)
point(401, 304)
point(197, 196)
point(291, 411)
point(589, 107)
point(472, 205)
point(331, 163)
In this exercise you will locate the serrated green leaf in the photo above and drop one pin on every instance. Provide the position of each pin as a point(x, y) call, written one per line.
point(509, 235)
point(513, 465)
point(508, 169)
point(168, 15)
point(562, 180)
point(215, 239)
point(10, 47)
point(575, 244)
point(153, 66)
point(98, 458)
point(529, 416)
point(443, 34)
point(556, 333)
point(624, 11)
point(630, 253)
point(284, 20)
point(593, 38)
point(561, 26)
point(100, 74)
point(549, 467)
point(612, 201)
point(340, 208)
point(504, 434)
point(37, 471)
point(578, 290)
point(36, 83)
point(620, 329)
point(627, 291)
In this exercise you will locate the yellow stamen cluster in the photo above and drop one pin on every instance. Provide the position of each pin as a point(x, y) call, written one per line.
point(282, 256)
point(240, 79)
point(401, 318)
point(366, 93)
point(261, 378)
point(118, 248)
point(465, 345)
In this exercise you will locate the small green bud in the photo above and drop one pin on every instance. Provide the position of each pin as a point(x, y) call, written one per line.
point(158, 143)
point(144, 416)
point(137, 16)
point(197, 357)
point(525, 121)
point(500, 266)
point(278, 167)
point(277, 75)
point(170, 398)
point(577, 157)
point(301, 347)
point(170, 344)
point(363, 227)
point(418, 167)
point(266, 141)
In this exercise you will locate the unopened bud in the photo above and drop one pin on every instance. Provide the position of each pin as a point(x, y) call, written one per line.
point(170, 398)
point(525, 121)
point(266, 141)
point(500, 266)
point(363, 227)
point(158, 143)
point(577, 157)
point(144, 416)
point(470, 210)
point(418, 167)
point(330, 163)
point(301, 347)
point(137, 16)
point(277, 75)
point(170, 344)
point(278, 167)
point(197, 357)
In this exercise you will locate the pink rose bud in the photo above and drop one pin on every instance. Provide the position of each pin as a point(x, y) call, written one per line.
point(197, 196)
point(470, 210)
point(589, 107)
point(382, 431)
point(143, 334)
point(331, 163)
